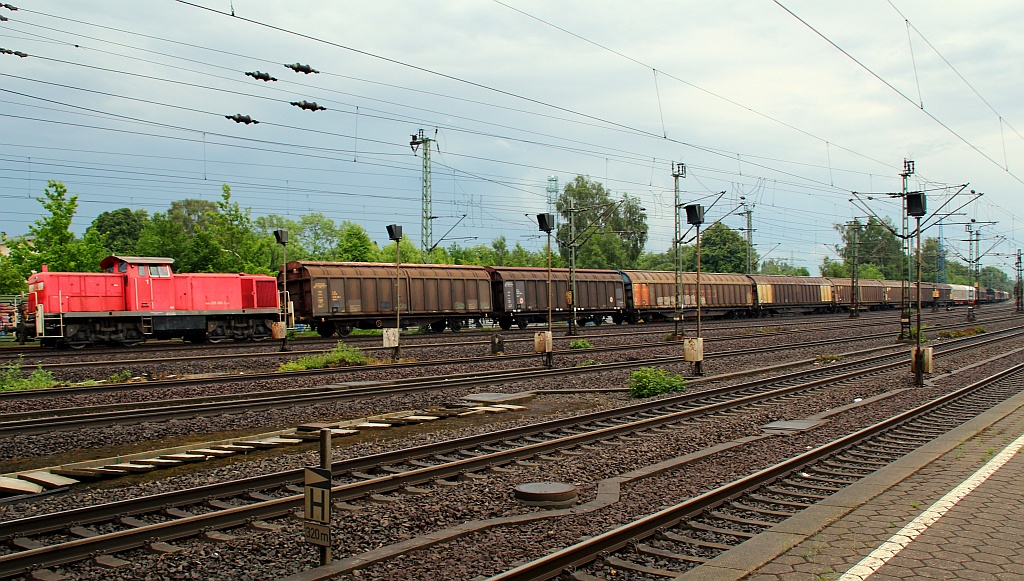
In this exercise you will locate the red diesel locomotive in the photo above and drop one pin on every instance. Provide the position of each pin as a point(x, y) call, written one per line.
point(137, 298)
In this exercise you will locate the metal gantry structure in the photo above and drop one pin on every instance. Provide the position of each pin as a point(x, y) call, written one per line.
point(678, 171)
point(419, 139)
point(908, 170)
point(748, 211)
point(1018, 288)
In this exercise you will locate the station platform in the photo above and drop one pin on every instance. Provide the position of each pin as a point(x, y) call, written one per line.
point(953, 509)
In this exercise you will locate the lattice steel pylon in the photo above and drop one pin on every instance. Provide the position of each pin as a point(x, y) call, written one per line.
point(940, 258)
point(426, 233)
point(552, 194)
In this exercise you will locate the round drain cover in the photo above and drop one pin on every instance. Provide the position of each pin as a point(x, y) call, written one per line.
point(546, 494)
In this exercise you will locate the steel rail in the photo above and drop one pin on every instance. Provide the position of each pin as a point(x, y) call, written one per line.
point(74, 550)
point(584, 552)
point(82, 548)
point(78, 418)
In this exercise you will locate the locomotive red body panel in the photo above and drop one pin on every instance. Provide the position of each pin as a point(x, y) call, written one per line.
point(140, 297)
point(71, 292)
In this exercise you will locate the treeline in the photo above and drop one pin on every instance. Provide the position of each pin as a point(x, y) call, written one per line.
point(221, 236)
point(877, 252)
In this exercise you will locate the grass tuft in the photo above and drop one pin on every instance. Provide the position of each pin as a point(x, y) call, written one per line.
point(341, 356)
point(649, 381)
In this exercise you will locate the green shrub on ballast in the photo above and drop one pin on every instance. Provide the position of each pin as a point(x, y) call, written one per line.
point(580, 344)
point(341, 356)
point(11, 378)
point(648, 381)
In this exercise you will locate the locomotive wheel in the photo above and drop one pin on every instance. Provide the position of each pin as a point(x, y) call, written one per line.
point(522, 323)
point(455, 325)
point(437, 326)
point(505, 323)
point(326, 329)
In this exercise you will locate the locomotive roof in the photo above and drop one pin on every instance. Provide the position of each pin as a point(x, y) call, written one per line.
point(111, 260)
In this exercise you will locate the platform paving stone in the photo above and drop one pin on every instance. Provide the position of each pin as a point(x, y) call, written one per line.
point(979, 538)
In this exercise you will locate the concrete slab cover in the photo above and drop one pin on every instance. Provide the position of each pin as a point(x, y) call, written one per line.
point(790, 426)
point(500, 397)
point(47, 479)
point(18, 486)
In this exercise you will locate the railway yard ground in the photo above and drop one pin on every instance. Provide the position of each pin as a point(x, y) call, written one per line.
point(781, 462)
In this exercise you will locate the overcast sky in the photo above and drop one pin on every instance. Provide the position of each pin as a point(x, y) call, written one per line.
point(124, 101)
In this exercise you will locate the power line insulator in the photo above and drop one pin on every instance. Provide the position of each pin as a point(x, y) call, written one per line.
point(14, 52)
point(239, 118)
point(261, 76)
point(300, 68)
point(308, 106)
point(9, 7)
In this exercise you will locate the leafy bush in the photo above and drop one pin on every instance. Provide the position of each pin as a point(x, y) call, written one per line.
point(586, 363)
point(580, 344)
point(11, 378)
point(341, 356)
point(828, 358)
point(120, 376)
point(963, 333)
point(648, 381)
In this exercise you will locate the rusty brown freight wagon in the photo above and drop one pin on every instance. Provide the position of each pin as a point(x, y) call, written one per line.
point(521, 295)
point(872, 293)
point(652, 294)
point(335, 297)
point(792, 294)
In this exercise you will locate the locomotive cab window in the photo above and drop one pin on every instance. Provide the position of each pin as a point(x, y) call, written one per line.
point(122, 267)
point(143, 270)
point(160, 271)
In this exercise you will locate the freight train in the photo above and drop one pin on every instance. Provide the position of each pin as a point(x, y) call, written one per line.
point(336, 297)
point(137, 298)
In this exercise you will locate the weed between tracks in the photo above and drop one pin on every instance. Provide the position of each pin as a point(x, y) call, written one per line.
point(341, 356)
point(12, 378)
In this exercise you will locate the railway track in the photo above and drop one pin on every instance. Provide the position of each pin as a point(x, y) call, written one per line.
point(681, 537)
point(52, 420)
point(128, 363)
point(65, 537)
point(270, 348)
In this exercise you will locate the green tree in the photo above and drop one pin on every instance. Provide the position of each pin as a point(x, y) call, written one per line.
point(120, 229)
point(319, 235)
point(877, 244)
point(722, 249)
point(51, 242)
point(162, 236)
point(354, 244)
point(191, 214)
point(782, 267)
point(607, 233)
point(834, 269)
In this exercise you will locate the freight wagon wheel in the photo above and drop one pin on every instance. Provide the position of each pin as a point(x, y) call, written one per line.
point(522, 323)
point(325, 329)
point(618, 319)
point(344, 330)
point(437, 326)
point(455, 325)
point(505, 323)
point(598, 321)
